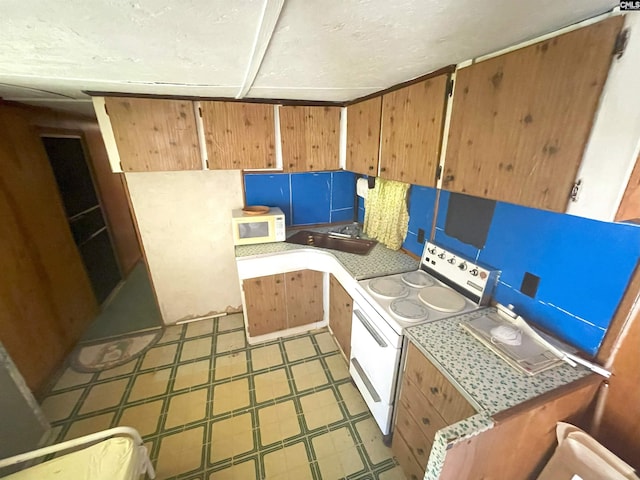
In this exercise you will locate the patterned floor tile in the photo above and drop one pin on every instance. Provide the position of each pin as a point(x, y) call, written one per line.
point(309, 375)
point(211, 407)
point(234, 321)
point(150, 384)
point(266, 357)
point(192, 374)
point(71, 378)
point(58, 407)
point(231, 437)
point(104, 395)
point(143, 417)
point(271, 385)
point(187, 408)
point(180, 452)
point(299, 348)
point(230, 396)
point(193, 349)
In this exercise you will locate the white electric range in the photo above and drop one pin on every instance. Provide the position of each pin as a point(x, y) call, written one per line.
point(446, 284)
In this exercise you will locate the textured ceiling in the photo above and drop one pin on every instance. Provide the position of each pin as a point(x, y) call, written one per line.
point(295, 49)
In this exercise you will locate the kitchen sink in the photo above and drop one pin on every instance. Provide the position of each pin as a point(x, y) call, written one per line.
point(332, 242)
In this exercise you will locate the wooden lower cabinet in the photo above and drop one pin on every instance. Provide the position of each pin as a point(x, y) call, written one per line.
point(304, 297)
point(428, 402)
point(412, 469)
point(517, 447)
point(340, 312)
point(281, 301)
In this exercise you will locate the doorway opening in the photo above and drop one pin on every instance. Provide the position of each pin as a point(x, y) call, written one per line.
point(84, 213)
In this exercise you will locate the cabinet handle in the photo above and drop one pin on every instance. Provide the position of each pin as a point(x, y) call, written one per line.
point(347, 305)
point(383, 169)
point(420, 451)
point(370, 167)
point(426, 421)
point(434, 390)
point(413, 477)
point(370, 329)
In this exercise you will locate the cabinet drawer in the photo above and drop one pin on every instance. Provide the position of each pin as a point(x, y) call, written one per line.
point(419, 445)
point(449, 403)
point(425, 415)
point(402, 452)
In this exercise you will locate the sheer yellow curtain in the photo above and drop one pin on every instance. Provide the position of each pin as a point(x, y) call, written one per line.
point(385, 217)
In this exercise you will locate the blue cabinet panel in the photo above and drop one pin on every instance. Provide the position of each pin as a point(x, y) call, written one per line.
point(343, 190)
point(271, 190)
point(311, 198)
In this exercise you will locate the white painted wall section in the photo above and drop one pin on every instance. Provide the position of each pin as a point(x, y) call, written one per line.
point(185, 225)
point(614, 142)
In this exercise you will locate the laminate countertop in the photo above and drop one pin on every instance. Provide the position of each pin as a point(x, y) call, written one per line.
point(484, 379)
point(378, 262)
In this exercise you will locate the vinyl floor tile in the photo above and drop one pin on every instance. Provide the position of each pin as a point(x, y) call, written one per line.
point(211, 407)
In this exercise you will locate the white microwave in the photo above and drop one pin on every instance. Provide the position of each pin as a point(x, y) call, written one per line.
point(249, 229)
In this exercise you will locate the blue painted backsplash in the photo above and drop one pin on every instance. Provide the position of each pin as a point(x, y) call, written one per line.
point(584, 265)
point(305, 198)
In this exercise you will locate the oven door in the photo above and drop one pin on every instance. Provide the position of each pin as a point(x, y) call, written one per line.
point(374, 362)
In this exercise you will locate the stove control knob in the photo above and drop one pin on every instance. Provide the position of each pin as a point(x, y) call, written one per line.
point(441, 255)
point(452, 260)
point(474, 272)
point(431, 250)
point(462, 266)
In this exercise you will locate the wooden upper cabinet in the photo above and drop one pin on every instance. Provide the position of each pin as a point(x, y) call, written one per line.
point(412, 122)
point(154, 135)
point(239, 135)
point(520, 121)
point(310, 138)
point(363, 136)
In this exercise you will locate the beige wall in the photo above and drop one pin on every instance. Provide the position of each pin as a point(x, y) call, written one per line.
point(184, 219)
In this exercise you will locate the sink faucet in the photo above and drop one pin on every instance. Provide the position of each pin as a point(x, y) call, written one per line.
point(350, 231)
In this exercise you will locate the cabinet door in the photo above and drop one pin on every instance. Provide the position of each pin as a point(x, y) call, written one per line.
point(412, 122)
point(310, 138)
point(266, 304)
point(340, 312)
point(401, 450)
point(363, 136)
point(304, 297)
point(154, 135)
point(444, 397)
point(239, 135)
point(520, 121)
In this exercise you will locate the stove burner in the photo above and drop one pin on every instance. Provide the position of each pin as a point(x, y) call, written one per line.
point(417, 279)
point(409, 310)
point(388, 287)
point(442, 299)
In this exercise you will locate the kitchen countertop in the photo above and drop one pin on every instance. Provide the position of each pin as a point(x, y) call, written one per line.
point(378, 262)
point(484, 379)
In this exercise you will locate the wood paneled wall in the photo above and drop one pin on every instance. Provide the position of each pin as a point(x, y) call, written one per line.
point(524, 437)
point(629, 209)
point(619, 429)
point(110, 186)
point(46, 300)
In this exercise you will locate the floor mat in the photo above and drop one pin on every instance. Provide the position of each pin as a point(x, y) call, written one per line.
point(105, 355)
point(133, 308)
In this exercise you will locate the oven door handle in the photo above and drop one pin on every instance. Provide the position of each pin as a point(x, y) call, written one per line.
point(365, 380)
point(379, 340)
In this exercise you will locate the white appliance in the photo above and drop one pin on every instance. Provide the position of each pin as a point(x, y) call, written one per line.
point(444, 285)
point(250, 228)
